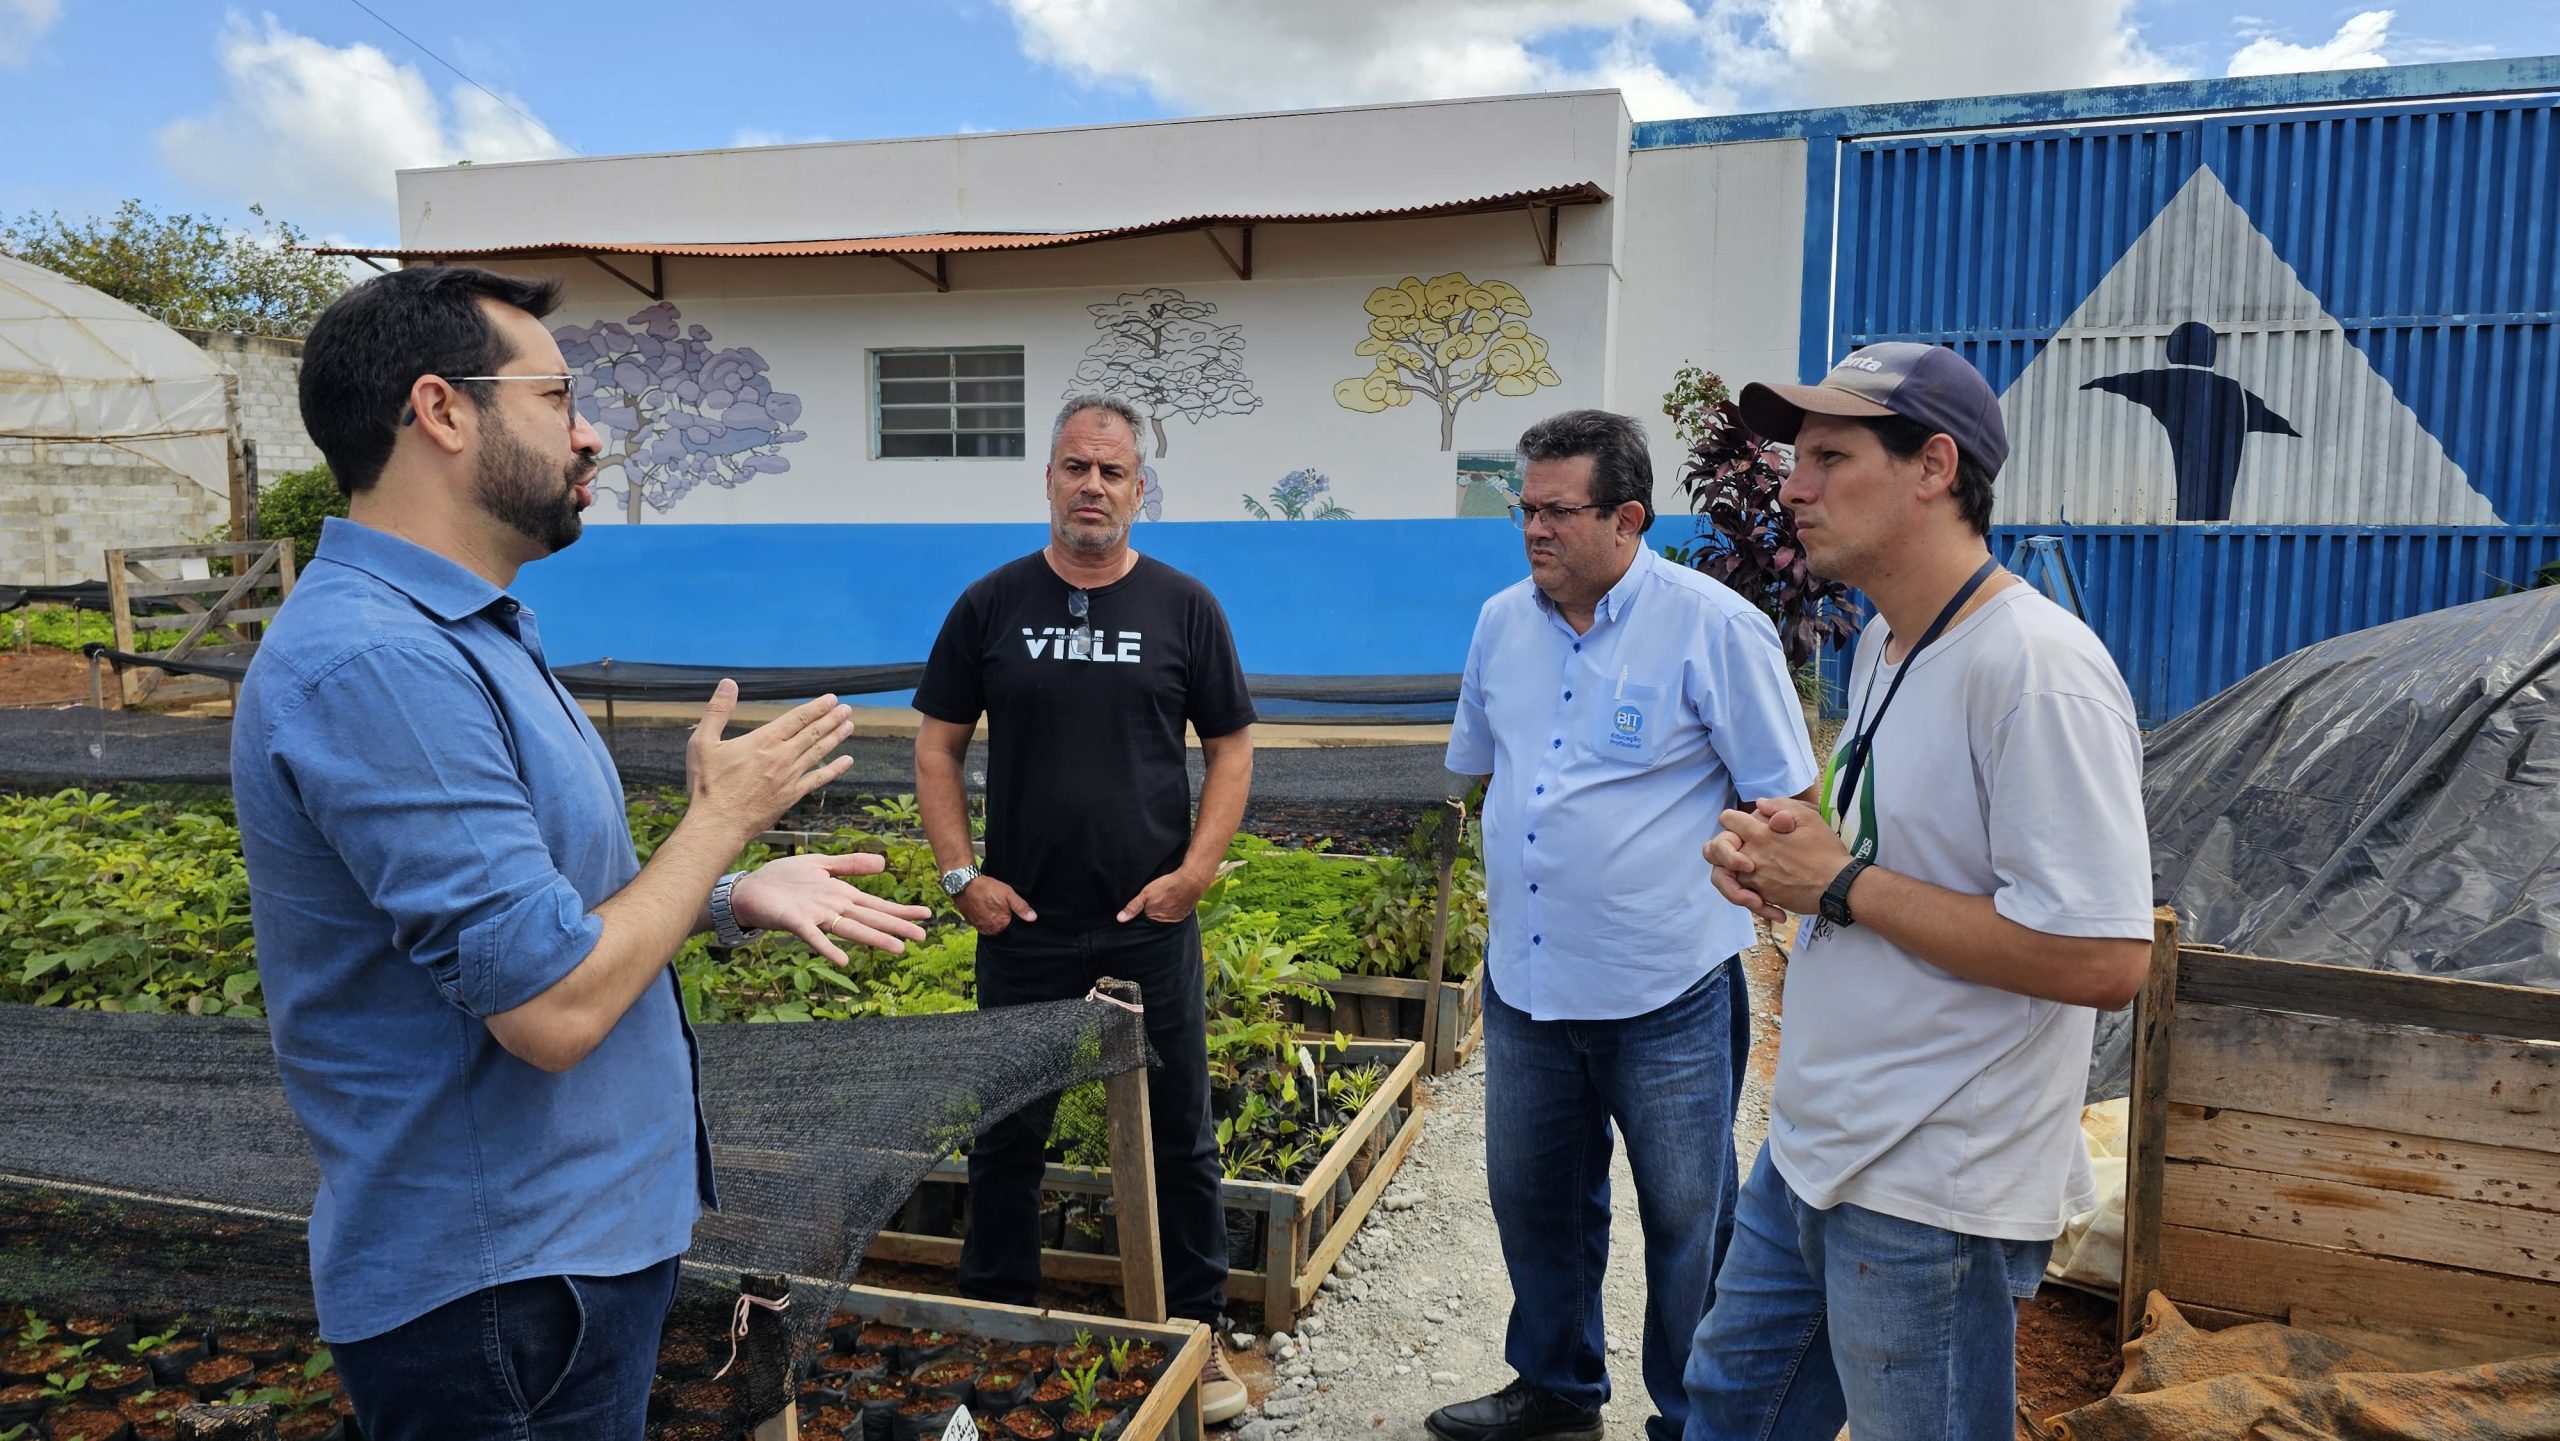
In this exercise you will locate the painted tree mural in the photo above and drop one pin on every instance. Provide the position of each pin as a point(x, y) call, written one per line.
point(1159, 352)
point(1300, 495)
point(674, 410)
point(1447, 341)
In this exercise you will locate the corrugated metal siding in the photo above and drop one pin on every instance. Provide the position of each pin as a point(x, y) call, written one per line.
point(2387, 281)
point(2187, 610)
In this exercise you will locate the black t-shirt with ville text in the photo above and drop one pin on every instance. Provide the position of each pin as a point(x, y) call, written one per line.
point(1088, 798)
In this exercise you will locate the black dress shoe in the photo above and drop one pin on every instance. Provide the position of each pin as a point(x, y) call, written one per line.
point(1517, 1412)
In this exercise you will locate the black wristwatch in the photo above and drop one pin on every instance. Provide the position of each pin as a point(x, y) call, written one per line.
point(1835, 898)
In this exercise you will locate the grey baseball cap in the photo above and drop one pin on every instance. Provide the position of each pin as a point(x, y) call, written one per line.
point(1929, 384)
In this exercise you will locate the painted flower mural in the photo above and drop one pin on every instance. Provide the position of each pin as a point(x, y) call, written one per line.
point(674, 410)
point(1300, 495)
point(1447, 341)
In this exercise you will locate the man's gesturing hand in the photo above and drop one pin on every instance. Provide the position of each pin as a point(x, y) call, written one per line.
point(1168, 898)
point(991, 905)
point(1775, 858)
point(747, 783)
point(803, 895)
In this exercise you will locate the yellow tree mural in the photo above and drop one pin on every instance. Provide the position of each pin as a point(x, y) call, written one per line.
point(1448, 340)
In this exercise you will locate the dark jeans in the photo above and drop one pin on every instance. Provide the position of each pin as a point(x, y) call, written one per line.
point(1025, 964)
point(1669, 1080)
point(551, 1358)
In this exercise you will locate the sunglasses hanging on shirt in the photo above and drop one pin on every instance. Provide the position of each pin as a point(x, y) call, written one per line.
point(1080, 639)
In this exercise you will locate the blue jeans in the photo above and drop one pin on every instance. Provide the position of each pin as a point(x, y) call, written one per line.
point(1669, 1080)
point(1900, 1329)
point(550, 1358)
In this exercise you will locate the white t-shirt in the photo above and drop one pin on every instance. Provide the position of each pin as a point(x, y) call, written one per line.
point(2009, 766)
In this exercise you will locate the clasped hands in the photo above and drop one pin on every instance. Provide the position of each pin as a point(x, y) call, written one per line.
point(1775, 858)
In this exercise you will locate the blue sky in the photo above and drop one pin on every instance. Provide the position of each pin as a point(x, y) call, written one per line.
point(309, 105)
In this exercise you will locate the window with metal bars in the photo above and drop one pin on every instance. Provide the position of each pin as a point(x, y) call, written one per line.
point(961, 403)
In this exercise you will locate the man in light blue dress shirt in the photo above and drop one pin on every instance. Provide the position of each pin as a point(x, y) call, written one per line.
point(1619, 703)
point(466, 967)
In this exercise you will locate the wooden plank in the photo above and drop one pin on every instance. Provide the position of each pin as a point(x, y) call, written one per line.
point(2302, 1211)
point(2381, 997)
point(1280, 1265)
point(2353, 1073)
point(182, 586)
point(2245, 1273)
point(2155, 1011)
point(214, 620)
point(1346, 1225)
point(1397, 987)
point(2359, 1156)
point(120, 611)
point(1133, 1196)
point(1082, 1268)
point(1161, 1413)
point(198, 551)
point(999, 1322)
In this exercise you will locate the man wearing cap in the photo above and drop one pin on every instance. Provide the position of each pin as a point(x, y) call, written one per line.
point(1618, 702)
point(1975, 885)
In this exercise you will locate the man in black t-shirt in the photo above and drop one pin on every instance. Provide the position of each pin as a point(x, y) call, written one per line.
point(1088, 660)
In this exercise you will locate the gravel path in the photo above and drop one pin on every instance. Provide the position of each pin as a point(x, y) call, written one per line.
point(1414, 1318)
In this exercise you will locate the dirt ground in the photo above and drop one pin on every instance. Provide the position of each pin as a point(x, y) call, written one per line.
point(43, 676)
point(2067, 1354)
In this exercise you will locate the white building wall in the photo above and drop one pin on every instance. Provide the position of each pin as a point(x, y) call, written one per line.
point(1713, 256)
point(1305, 162)
point(814, 321)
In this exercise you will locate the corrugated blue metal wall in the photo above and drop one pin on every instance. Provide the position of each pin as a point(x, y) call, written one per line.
point(2385, 281)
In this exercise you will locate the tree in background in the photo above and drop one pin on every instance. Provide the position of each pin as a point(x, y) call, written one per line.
point(1448, 341)
point(1732, 478)
point(1300, 495)
point(1159, 352)
point(673, 410)
point(292, 506)
point(186, 270)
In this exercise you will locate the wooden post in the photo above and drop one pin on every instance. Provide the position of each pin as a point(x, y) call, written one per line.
point(248, 490)
point(1453, 825)
point(1133, 1181)
point(764, 1360)
point(1280, 1263)
point(253, 1422)
point(242, 497)
point(2147, 1125)
point(120, 613)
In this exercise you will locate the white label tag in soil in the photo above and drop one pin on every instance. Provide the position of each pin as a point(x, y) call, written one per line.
point(962, 1428)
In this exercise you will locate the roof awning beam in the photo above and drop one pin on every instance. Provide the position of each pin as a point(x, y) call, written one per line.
point(940, 274)
point(1243, 268)
point(1546, 235)
point(656, 289)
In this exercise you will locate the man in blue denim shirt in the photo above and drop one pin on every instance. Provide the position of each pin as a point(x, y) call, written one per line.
point(465, 966)
point(1619, 703)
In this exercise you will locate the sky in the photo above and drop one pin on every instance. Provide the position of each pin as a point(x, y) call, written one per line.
point(309, 107)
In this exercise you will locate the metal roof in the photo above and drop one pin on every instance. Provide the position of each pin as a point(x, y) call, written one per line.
point(1583, 193)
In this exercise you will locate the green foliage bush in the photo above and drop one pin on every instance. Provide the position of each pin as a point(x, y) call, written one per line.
point(63, 628)
point(292, 506)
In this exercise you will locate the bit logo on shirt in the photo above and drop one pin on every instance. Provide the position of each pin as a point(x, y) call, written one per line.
point(1626, 727)
point(1058, 642)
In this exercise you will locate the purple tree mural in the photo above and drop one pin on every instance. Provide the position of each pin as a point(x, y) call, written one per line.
point(674, 411)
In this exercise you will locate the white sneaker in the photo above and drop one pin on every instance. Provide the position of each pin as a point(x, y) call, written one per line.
point(1222, 1396)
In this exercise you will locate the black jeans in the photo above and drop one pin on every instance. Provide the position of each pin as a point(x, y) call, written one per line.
point(549, 1358)
point(1025, 964)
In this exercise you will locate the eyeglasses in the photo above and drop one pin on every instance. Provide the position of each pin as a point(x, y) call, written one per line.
point(1079, 609)
point(409, 413)
point(1521, 515)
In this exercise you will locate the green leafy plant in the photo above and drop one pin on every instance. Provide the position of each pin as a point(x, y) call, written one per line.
point(901, 812)
point(1086, 1382)
point(1118, 1350)
point(144, 1344)
point(295, 504)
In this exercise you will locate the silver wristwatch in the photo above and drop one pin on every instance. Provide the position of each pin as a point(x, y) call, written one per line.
point(956, 880)
point(724, 921)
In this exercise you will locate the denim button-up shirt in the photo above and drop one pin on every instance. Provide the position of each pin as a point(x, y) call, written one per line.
point(1612, 752)
point(430, 823)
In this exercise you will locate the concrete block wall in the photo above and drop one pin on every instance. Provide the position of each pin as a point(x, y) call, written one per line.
point(270, 371)
point(62, 507)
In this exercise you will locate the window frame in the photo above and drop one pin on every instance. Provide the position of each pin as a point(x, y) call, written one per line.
point(952, 408)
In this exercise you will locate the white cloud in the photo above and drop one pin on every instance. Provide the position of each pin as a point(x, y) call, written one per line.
point(753, 139)
point(22, 24)
point(317, 130)
point(1343, 52)
point(1668, 57)
point(2357, 46)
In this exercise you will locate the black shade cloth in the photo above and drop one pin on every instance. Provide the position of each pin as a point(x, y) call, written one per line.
point(2384, 800)
point(1382, 695)
point(81, 595)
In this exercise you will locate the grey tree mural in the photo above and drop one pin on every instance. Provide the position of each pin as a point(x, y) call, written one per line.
point(674, 410)
point(1160, 352)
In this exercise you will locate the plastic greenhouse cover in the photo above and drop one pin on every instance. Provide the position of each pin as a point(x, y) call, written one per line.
point(76, 365)
point(2383, 800)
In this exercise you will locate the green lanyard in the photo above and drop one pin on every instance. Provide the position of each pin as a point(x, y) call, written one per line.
point(1850, 763)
